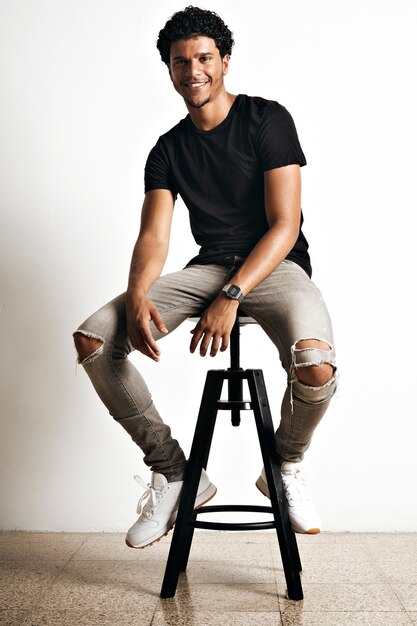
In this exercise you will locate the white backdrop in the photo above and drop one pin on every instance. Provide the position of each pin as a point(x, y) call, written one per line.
point(84, 97)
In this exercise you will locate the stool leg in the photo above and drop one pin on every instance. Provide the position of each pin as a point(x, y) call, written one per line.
point(235, 384)
point(183, 531)
point(204, 447)
point(207, 437)
point(286, 537)
point(187, 544)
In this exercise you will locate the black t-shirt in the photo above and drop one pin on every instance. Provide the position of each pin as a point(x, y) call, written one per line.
point(219, 175)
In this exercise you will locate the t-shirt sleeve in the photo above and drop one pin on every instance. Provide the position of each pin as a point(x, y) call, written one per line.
point(278, 143)
point(157, 170)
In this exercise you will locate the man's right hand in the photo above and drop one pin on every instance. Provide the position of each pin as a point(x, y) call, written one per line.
point(140, 311)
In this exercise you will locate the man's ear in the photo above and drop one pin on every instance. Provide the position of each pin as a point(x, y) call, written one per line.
point(226, 60)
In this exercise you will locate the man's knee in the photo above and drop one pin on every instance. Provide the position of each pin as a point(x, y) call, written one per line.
point(87, 346)
point(313, 362)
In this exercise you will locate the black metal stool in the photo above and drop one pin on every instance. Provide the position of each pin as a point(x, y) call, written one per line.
point(187, 521)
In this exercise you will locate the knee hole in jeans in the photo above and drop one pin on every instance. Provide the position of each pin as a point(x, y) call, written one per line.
point(86, 345)
point(314, 374)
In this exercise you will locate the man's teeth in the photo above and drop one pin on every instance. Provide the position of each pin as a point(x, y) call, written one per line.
point(195, 85)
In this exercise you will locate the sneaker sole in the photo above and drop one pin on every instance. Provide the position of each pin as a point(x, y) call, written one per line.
point(202, 499)
point(263, 488)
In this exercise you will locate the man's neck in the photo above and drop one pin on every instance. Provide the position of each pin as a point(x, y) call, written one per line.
point(213, 113)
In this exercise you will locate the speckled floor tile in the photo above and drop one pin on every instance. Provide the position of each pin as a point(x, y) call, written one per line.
point(132, 573)
point(100, 546)
point(233, 579)
point(231, 597)
point(325, 552)
point(13, 617)
point(336, 572)
point(343, 597)
point(398, 571)
point(331, 538)
point(239, 572)
point(197, 618)
point(394, 550)
point(204, 548)
point(8, 546)
point(389, 539)
point(90, 617)
point(40, 546)
point(347, 619)
point(232, 552)
point(407, 594)
point(76, 593)
point(23, 582)
point(220, 536)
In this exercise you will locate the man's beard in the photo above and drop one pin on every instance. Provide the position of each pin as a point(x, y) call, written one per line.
point(198, 106)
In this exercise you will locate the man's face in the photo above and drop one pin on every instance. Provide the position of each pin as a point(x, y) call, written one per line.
point(197, 69)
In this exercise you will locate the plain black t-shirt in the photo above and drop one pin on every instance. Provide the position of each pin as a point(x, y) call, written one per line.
point(219, 175)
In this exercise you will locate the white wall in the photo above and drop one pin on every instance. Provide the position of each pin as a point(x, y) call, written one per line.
point(84, 98)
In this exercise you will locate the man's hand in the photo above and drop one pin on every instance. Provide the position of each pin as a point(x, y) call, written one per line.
point(140, 311)
point(215, 326)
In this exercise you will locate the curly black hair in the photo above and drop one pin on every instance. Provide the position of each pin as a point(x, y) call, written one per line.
point(194, 21)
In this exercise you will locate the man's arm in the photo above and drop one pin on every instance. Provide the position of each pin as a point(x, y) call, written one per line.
point(283, 211)
point(149, 255)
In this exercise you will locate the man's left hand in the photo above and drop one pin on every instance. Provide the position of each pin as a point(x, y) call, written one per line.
point(215, 326)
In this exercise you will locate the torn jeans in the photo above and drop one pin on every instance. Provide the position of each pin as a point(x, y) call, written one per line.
point(287, 305)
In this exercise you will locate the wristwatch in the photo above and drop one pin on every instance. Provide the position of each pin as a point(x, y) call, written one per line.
point(233, 292)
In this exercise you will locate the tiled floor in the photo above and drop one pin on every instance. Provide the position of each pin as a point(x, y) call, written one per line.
point(70, 579)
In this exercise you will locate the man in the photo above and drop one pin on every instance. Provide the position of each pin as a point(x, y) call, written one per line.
point(235, 161)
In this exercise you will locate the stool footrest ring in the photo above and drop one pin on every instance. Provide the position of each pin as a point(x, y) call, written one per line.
point(228, 405)
point(228, 508)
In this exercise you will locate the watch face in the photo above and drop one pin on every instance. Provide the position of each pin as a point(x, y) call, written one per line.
point(234, 291)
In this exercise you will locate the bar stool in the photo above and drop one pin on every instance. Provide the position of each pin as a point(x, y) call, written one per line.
point(186, 520)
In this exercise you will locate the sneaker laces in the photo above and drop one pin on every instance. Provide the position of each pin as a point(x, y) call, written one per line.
point(153, 495)
point(295, 487)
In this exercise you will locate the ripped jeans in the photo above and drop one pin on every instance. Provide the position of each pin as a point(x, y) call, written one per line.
point(286, 304)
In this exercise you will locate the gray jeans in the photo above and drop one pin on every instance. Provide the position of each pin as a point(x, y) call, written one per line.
point(287, 305)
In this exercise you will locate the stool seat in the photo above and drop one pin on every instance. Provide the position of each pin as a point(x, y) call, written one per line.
point(211, 404)
point(242, 320)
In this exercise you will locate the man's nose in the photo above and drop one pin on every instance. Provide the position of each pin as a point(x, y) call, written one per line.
point(195, 67)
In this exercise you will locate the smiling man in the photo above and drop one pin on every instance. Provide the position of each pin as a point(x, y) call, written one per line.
point(235, 161)
point(197, 72)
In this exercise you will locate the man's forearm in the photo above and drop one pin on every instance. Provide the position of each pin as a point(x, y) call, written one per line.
point(148, 259)
point(265, 257)
point(147, 263)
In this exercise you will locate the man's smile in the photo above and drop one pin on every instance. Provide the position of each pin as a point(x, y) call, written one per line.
point(196, 85)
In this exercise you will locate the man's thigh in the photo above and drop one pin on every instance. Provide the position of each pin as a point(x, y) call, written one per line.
point(178, 295)
point(186, 293)
point(289, 307)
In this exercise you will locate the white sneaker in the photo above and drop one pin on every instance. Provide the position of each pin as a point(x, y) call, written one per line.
point(303, 515)
point(158, 515)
